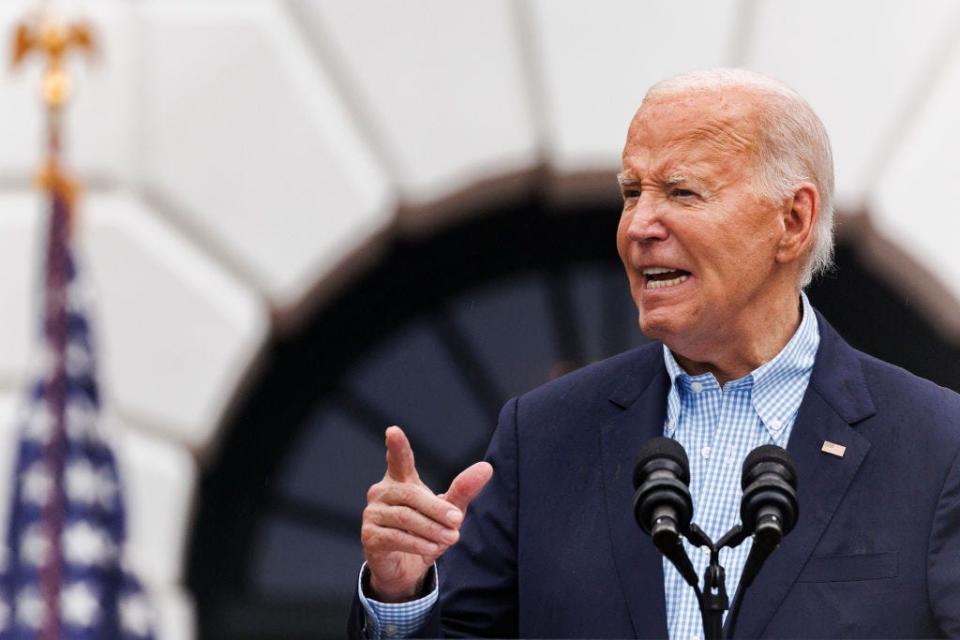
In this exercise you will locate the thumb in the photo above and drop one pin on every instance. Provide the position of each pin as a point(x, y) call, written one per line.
point(466, 486)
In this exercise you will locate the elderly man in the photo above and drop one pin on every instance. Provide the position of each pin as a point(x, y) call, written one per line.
point(727, 181)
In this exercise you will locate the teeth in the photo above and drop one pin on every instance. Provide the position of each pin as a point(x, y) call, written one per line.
point(652, 271)
point(660, 284)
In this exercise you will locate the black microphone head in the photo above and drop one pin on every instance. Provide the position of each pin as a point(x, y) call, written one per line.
point(757, 462)
point(769, 482)
point(661, 478)
point(660, 448)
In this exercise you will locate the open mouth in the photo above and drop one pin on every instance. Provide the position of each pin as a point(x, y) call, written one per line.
point(662, 277)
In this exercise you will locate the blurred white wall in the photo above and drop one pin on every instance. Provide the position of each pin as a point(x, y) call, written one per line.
point(242, 157)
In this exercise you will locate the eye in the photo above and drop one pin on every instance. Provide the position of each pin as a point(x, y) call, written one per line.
point(683, 193)
point(630, 193)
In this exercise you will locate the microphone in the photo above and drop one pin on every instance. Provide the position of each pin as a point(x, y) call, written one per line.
point(662, 505)
point(768, 511)
point(769, 506)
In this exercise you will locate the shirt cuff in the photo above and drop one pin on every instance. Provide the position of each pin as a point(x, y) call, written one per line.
point(397, 619)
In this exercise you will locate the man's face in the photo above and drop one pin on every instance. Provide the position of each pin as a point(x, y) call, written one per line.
point(698, 242)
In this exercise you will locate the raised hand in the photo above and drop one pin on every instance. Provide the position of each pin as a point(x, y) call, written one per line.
point(406, 527)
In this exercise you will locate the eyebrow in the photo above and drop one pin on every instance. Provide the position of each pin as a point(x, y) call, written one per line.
point(677, 178)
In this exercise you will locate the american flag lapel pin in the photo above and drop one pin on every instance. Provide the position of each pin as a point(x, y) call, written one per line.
point(833, 448)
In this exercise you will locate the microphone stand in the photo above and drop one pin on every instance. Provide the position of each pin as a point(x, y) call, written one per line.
point(713, 599)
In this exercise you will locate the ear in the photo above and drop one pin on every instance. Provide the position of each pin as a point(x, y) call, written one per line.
point(798, 219)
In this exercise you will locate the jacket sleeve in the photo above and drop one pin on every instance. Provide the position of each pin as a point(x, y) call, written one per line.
point(943, 555)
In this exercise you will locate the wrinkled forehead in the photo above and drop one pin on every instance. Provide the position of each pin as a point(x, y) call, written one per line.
point(701, 122)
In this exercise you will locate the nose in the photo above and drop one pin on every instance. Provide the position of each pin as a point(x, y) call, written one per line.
point(646, 222)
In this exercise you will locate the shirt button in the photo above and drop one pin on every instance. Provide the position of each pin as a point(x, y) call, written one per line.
point(671, 426)
point(390, 630)
point(705, 452)
point(776, 424)
point(696, 387)
point(705, 550)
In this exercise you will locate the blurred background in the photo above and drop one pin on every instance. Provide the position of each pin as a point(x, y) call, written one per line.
point(305, 220)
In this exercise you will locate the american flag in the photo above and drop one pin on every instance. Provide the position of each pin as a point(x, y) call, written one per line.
point(62, 574)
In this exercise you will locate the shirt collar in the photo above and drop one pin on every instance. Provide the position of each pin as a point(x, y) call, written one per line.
point(788, 370)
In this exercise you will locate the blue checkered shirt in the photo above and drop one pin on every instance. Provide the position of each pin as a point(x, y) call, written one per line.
point(718, 427)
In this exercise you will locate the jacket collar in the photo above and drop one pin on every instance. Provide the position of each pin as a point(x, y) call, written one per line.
point(837, 399)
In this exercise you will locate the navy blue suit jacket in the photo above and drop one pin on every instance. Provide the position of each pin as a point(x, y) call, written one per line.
point(551, 549)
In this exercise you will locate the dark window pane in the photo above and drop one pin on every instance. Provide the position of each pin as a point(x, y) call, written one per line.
point(510, 327)
point(411, 381)
point(296, 562)
point(333, 464)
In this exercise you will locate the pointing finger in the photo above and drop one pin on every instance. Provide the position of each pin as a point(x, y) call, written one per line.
point(466, 486)
point(400, 464)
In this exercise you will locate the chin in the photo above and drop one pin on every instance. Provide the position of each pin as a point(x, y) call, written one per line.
point(672, 325)
point(656, 325)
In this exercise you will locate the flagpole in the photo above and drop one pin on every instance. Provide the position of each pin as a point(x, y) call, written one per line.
point(54, 40)
point(63, 576)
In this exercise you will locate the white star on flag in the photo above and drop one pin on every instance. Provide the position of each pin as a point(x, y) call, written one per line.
point(86, 545)
point(37, 484)
point(78, 605)
point(81, 419)
point(29, 608)
point(39, 425)
point(78, 359)
point(88, 485)
point(34, 546)
point(81, 482)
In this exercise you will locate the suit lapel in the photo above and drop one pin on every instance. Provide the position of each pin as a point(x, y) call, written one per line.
point(836, 398)
point(639, 564)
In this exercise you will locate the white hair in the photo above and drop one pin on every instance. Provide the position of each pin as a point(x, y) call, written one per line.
point(793, 147)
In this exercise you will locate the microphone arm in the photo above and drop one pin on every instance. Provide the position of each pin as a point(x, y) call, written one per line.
point(673, 551)
point(759, 553)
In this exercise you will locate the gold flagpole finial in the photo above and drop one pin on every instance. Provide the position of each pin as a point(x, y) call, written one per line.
point(53, 39)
